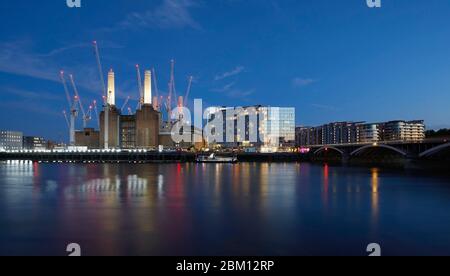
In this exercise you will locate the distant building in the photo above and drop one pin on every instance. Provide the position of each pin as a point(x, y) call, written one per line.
point(302, 136)
point(127, 132)
point(196, 137)
point(11, 140)
point(403, 131)
point(113, 127)
point(140, 130)
point(360, 132)
point(332, 133)
point(281, 123)
point(165, 135)
point(88, 137)
point(34, 143)
point(254, 127)
point(340, 133)
point(148, 122)
point(369, 133)
point(130, 131)
point(52, 145)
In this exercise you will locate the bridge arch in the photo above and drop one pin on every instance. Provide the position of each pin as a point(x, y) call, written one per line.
point(362, 149)
point(326, 148)
point(434, 150)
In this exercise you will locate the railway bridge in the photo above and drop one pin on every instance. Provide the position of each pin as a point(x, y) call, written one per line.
point(431, 149)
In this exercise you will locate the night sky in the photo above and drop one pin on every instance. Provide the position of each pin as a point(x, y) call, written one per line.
point(331, 60)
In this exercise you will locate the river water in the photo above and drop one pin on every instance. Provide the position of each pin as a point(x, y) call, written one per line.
point(223, 209)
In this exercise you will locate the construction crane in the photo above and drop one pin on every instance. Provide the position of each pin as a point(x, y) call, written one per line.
point(67, 119)
point(125, 103)
point(141, 92)
point(156, 89)
point(182, 102)
point(100, 69)
point(89, 112)
point(104, 94)
point(94, 103)
point(160, 103)
point(172, 78)
point(188, 90)
point(86, 116)
point(130, 112)
point(73, 106)
point(172, 91)
point(169, 102)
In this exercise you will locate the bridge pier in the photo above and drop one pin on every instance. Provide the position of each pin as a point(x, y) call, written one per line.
point(345, 158)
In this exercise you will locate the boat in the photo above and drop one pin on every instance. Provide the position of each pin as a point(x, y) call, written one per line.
point(215, 159)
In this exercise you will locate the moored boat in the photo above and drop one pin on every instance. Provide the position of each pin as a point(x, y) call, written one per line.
point(215, 159)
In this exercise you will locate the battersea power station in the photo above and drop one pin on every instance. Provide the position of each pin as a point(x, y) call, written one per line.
point(141, 130)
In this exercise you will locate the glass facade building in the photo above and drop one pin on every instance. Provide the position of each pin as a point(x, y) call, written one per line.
point(281, 124)
point(252, 126)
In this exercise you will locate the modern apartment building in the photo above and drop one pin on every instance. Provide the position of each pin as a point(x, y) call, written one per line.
point(369, 133)
point(360, 132)
point(252, 126)
point(403, 131)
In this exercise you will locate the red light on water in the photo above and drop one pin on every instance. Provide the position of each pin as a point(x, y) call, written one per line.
point(304, 150)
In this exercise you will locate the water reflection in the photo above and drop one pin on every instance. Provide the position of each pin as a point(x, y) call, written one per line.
point(375, 195)
point(201, 209)
point(19, 168)
point(132, 186)
point(326, 176)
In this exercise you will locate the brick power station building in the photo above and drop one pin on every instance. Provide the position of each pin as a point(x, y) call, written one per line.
point(141, 130)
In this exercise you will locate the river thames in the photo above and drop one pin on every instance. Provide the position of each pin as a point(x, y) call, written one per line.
point(221, 209)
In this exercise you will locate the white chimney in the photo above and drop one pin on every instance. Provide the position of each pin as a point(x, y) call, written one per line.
point(111, 88)
point(148, 87)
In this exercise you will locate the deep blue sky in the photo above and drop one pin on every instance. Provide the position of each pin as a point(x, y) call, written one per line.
point(332, 60)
